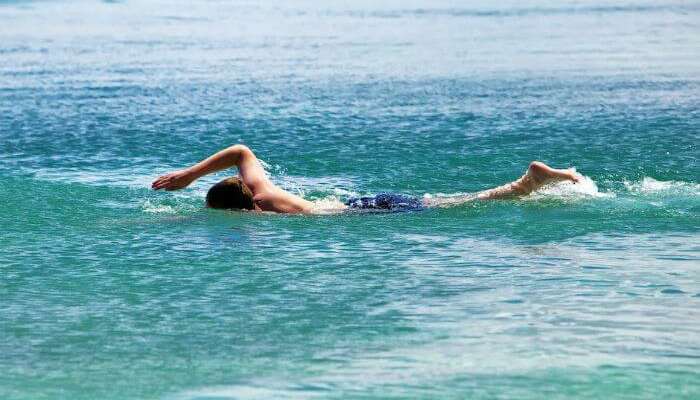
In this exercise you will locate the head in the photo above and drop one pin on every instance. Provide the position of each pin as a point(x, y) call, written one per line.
point(231, 193)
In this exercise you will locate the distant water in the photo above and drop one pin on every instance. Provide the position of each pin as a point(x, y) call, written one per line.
point(111, 291)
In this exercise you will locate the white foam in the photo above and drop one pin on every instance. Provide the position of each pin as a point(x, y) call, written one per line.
point(152, 208)
point(445, 195)
point(328, 205)
point(650, 185)
point(585, 188)
point(165, 206)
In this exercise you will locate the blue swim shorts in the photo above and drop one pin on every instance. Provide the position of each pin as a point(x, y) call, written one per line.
point(385, 201)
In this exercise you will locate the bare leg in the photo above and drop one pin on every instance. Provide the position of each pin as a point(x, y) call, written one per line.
point(538, 174)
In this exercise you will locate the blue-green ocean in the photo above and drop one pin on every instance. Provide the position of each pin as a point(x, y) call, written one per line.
point(109, 290)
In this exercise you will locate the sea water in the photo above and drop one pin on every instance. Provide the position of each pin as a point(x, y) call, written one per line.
point(109, 290)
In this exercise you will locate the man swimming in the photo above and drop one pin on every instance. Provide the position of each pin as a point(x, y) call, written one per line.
point(252, 190)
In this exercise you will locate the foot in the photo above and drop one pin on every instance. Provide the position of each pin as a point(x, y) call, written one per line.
point(542, 174)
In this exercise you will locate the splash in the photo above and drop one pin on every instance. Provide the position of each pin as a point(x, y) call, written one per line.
point(169, 206)
point(328, 205)
point(151, 208)
point(652, 186)
point(585, 188)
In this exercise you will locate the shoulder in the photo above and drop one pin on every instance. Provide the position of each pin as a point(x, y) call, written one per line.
point(280, 201)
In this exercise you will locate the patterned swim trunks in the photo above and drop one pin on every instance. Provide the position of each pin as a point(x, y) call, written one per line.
point(386, 202)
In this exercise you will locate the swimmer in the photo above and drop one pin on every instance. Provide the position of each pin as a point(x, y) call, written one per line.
point(252, 190)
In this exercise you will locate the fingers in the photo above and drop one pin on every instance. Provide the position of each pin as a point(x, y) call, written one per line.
point(161, 182)
point(158, 183)
point(168, 182)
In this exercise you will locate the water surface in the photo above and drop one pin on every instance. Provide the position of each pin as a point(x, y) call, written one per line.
point(112, 291)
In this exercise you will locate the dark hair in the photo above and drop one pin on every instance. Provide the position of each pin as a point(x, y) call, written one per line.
point(230, 193)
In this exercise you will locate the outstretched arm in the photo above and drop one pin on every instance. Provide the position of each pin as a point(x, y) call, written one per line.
point(238, 155)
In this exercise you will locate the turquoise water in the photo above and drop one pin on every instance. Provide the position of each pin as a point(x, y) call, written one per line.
point(109, 290)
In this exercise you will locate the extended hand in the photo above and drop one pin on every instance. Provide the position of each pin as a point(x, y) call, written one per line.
point(174, 180)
